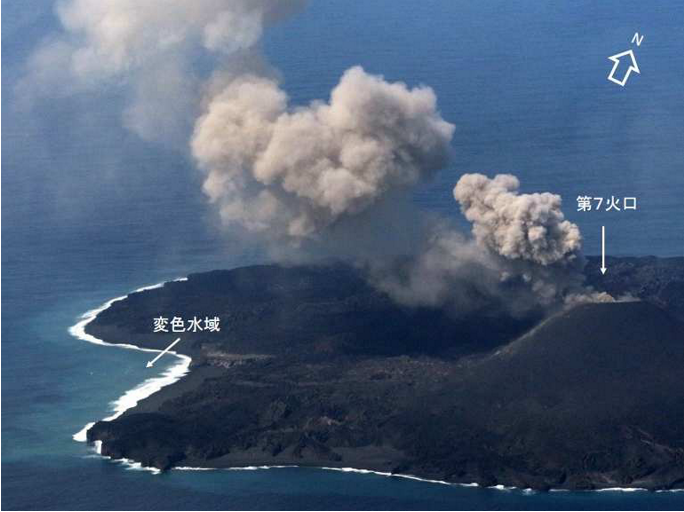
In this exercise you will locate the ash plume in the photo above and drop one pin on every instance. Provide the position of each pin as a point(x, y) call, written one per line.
point(529, 227)
point(524, 254)
point(291, 173)
point(332, 178)
point(148, 51)
point(530, 235)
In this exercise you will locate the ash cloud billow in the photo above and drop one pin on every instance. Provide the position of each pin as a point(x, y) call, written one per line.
point(529, 227)
point(291, 173)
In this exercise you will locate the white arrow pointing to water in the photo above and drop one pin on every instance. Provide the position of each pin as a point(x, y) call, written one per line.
point(150, 364)
point(603, 250)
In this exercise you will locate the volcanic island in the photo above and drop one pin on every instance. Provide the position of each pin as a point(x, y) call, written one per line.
point(315, 367)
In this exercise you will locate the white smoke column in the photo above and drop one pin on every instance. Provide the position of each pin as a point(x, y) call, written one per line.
point(528, 227)
point(148, 48)
point(290, 173)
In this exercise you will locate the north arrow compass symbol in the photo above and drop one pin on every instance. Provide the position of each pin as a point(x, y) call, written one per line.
point(629, 63)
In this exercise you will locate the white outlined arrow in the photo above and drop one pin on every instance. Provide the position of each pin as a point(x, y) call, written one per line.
point(632, 67)
point(150, 364)
point(603, 250)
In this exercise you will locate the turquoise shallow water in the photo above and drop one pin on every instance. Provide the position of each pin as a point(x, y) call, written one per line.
point(90, 213)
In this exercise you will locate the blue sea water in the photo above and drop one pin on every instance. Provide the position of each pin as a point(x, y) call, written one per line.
point(91, 212)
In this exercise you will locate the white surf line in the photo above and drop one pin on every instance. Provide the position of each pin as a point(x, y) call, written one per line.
point(328, 468)
point(399, 475)
point(128, 463)
point(526, 491)
point(621, 489)
point(148, 387)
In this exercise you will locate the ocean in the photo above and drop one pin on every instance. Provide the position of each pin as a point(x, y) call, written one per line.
point(91, 212)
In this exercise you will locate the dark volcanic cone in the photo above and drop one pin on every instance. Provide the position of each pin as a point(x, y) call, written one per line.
point(593, 397)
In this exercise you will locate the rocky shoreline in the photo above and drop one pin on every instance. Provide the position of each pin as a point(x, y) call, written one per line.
point(577, 403)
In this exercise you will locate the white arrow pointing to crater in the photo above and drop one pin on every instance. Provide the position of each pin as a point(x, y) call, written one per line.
point(603, 250)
